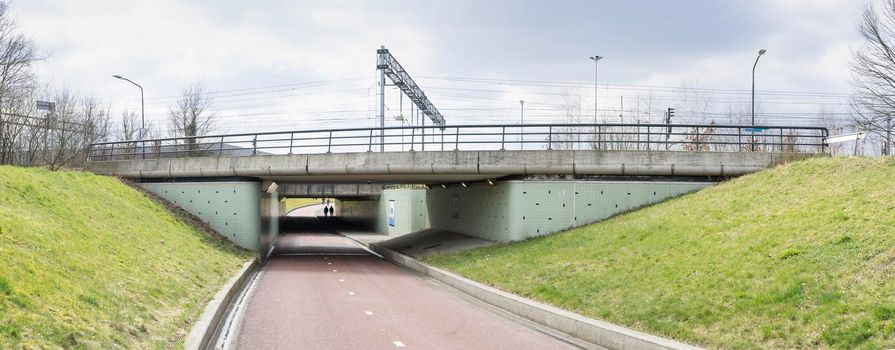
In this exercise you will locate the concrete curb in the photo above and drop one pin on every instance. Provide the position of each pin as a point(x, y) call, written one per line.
point(203, 330)
point(594, 331)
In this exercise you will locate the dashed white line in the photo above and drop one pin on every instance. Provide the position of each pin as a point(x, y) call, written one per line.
point(350, 293)
point(335, 270)
point(369, 313)
point(398, 344)
point(329, 263)
point(341, 280)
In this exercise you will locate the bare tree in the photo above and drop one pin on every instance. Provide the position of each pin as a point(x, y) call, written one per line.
point(873, 68)
point(569, 137)
point(17, 54)
point(71, 128)
point(129, 126)
point(192, 115)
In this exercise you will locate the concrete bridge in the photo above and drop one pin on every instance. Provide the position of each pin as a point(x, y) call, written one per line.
point(498, 182)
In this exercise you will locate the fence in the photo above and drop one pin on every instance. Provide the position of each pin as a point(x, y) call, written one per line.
point(664, 137)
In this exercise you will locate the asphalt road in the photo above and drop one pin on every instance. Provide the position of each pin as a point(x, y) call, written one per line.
point(324, 291)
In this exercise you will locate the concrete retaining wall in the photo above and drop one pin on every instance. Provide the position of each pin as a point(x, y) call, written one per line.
point(516, 210)
point(509, 210)
point(239, 210)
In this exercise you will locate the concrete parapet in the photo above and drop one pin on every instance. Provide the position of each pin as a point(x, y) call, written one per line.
point(447, 166)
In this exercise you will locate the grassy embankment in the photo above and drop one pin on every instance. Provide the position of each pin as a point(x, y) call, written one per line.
point(799, 256)
point(88, 262)
point(292, 203)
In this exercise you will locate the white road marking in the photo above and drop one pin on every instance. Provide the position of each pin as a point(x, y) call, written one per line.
point(329, 263)
point(398, 344)
point(341, 280)
point(350, 293)
point(335, 270)
point(369, 313)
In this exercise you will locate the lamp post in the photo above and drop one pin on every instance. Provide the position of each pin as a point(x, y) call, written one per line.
point(760, 52)
point(142, 106)
point(142, 113)
point(521, 122)
point(596, 60)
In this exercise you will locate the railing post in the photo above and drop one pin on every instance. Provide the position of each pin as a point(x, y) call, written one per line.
point(112, 152)
point(697, 139)
point(329, 145)
point(648, 137)
point(442, 139)
point(221, 147)
point(291, 139)
point(550, 137)
point(503, 135)
point(370, 149)
point(781, 140)
point(412, 138)
point(255, 145)
point(457, 139)
point(740, 139)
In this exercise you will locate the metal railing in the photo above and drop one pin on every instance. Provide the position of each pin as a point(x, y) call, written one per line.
point(649, 137)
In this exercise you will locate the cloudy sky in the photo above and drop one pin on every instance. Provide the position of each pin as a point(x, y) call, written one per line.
point(309, 64)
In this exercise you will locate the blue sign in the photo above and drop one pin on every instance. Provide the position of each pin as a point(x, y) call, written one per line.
point(391, 213)
point(755, 129)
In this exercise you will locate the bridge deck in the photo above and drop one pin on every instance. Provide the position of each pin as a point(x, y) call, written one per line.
point(447, 166)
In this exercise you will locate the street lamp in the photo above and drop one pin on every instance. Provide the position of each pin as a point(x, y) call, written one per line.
point(599, 135)
point(142, 105)
point(596, 60)
point(760, 52)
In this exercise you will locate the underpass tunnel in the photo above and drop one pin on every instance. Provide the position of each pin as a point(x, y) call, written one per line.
point(310, 226)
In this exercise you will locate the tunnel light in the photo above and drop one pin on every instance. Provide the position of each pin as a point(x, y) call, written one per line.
point(490, 182)
point(443, 186)
point(464, 184)
point(427, 187)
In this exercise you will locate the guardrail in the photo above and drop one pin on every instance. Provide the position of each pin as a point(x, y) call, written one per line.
point(679, 137)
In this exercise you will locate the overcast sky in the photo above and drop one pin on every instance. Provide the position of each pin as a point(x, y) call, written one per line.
point(308, 64)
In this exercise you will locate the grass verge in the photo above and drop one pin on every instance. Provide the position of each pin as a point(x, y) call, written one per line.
point(88, 262)
point(799, 256)
point(292, 203)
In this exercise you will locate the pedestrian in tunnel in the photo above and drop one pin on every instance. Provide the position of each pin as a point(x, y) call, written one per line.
point(325, 211)
point(332, 211)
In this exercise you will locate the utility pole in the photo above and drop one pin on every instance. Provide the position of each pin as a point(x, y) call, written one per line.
point(760, 52)
point(521, 123)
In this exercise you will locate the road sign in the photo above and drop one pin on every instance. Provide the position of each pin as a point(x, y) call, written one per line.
point(46, 106)
point(755, 129)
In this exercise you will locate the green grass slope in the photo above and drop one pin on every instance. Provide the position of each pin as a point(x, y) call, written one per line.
point(88, 262)
point(799, 256)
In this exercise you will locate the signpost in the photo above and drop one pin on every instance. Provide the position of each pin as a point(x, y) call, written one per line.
point(46, 106)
